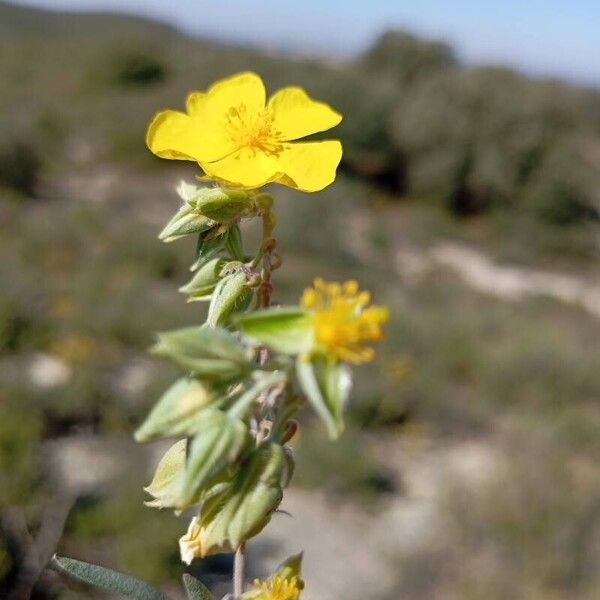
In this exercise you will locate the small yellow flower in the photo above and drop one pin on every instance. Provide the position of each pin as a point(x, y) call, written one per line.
point(277, 588)
point(342, 321)
point(240, 139)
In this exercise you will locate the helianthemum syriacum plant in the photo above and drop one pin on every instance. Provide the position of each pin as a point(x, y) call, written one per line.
point(250, 367)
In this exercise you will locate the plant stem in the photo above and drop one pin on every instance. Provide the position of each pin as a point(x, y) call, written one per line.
point(264, 301)
point(239, 566)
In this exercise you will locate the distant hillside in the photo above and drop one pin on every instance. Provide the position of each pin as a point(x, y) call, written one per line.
point(18, 20)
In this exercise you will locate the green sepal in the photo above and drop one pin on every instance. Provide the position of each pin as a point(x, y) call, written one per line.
point(233, 243)
point(202, 285)
point(224, 205)
point(288, 330)
point(327, 386)
point(211, 353)
point(219, 442)
point(242, 511)
point(292, 567)
point(210, 244)
point(176, 411)
point(195, 589)
point(230, 296)
point(106, 579)
point(185, 222)
point(167, 483)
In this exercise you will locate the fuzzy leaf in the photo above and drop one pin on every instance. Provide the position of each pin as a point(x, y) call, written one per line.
point(106, 579)
point(286, 330)
point(327, 386)
point(195, 589)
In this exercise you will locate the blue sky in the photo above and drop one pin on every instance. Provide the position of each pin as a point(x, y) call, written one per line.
point(548, 37)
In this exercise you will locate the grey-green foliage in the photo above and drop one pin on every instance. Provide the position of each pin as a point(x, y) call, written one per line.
point(114, 581)
point(405, 57)
point(484, 137)
point(106, 579)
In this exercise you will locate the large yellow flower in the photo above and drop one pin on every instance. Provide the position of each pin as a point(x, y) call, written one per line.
point(240, 139)
point(342, 321)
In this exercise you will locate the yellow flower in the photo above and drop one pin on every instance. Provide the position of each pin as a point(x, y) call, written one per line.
point(240, 139)
point(342, 322)
point(277, 588)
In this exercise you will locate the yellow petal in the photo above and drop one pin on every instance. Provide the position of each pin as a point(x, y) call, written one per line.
point(195, 102)
point(178, 136)
point(172, 134)
point(310, 166)
point(245, 168)
point(244, 88)
point(296, 115)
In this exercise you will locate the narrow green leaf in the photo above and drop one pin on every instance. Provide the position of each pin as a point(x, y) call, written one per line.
point(327, 386)
point(195, 589)
point(287, 330)
point(106, 579)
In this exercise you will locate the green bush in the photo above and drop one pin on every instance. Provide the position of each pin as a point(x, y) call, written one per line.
point(132, 66)
point(20, 165)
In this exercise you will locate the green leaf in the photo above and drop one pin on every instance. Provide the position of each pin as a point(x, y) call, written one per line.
point(205, 280)
point(287, 330)
point(106, 579)
point(242, 510)
point(167, 482)
point(195, 589)
point(211, 353)
point(327, 386)
point(177, 410)
point(231, 295)
point(220, 440)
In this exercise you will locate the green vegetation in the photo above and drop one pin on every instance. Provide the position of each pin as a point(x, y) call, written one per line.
point(426, 139)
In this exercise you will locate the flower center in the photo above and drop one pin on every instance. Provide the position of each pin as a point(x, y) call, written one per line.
point(278, 588)
point(342, 322)
point(253, 130)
